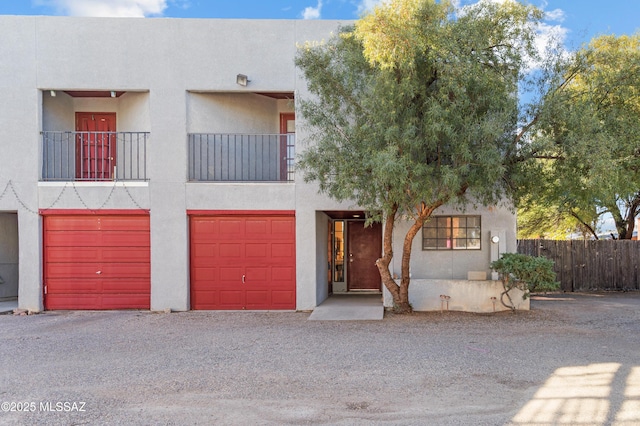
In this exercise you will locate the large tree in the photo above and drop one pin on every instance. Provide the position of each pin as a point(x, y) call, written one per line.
point(414, 107)
point(585, 156)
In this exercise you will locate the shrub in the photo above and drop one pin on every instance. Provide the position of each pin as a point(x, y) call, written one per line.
point(528, 273)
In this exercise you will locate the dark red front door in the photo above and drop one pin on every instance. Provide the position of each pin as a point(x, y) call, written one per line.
point(95, 145)
point(364, 248)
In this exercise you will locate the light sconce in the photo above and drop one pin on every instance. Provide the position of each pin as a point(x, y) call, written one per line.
point(495, 239)
point(53, 93)
point(113, 94)
point(242, 80)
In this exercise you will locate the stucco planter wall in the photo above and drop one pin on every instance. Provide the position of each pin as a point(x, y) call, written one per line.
point(464, 295)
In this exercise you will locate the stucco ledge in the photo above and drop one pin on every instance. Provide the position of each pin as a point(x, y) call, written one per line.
point(464, 295)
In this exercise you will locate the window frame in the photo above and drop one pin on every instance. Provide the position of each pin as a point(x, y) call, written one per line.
point(445, 234)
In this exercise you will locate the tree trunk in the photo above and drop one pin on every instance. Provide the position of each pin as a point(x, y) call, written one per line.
point(387, 255)
point(400, 293)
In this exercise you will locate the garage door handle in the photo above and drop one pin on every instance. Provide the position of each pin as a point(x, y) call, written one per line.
point(243, 277)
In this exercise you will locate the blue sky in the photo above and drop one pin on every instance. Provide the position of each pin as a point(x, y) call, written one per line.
point(577, 20)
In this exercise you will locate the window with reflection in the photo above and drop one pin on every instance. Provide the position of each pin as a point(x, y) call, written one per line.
point(451, 233)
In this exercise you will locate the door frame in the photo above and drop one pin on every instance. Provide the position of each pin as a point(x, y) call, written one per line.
point(284, 139)
point(347, 223)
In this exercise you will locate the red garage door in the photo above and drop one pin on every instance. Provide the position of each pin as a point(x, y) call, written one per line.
point(96, 261)
point(243, 261)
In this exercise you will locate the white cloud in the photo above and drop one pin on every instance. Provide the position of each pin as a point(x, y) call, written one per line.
point(312, 12)
point(556, 15)
point(107, 8)
point(365, 6)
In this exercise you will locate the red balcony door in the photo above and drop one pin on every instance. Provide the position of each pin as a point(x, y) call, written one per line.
point(287, 127)
point(95, 145)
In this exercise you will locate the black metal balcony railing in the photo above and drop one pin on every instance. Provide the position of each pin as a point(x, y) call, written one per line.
point(94, 156)
point(241, 157)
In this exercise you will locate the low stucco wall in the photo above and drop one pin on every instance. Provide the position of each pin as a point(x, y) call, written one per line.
point(465, 295)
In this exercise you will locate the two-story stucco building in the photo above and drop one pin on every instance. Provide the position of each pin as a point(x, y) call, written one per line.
point(150, 163)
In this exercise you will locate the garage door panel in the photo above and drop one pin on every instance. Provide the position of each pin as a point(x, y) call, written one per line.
point(126, 254)
point(125, 270)
point(124, 223)
point(205, 274)
point(125, 239)
point(285, 274)
point(262, 248)
point(73, 301)
point(232, 228)
point(203, 252)
point(283, 250)
point(231, 274)
point(202, 229)
point(257, 228)
point(70, 223)
point(97, 261)
point(229, 251)
point(282, 229)
point(205, 299)
point(73, 239)
point(230, 299)
point(258, 276)
point(72, 254)
point(125, 286)
point(67, 286)
point(257, 251)
point(257, 299)
point(283, 299)
point(125, 301)
point(70, 270)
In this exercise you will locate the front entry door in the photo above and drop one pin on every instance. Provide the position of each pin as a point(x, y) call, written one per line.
point(95, 145)
point(364, 246)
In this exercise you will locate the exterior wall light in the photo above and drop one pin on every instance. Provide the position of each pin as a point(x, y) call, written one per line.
point(53, 93)
point(113, 94)
point(242, 80)
point(495, 239)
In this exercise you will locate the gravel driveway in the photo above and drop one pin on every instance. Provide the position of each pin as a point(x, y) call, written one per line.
point(573, 359)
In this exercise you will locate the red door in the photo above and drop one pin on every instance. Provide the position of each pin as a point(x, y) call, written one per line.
point(96, 261)
point(243, 262)
point(288, 130)
point(95, 145)
point(364, 248)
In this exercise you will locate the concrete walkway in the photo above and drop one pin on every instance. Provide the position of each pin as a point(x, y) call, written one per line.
point(349, 307)
point(7, 306)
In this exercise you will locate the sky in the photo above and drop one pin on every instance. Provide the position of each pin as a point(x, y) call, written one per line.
point(577, 21)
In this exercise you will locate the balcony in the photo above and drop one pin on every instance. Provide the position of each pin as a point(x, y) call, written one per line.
point(94, 156)
point(215, 157)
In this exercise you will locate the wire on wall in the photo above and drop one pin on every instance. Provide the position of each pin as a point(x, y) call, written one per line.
point(10, 186)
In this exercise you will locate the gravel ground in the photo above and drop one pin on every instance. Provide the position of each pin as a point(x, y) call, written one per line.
point(572, 359)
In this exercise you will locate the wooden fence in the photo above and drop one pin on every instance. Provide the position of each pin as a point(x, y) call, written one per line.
point(590, 265)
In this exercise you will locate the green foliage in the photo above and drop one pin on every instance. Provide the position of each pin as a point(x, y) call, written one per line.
point(541, 218)
point(414, 107)
point(585, 157)
point(529, 273)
